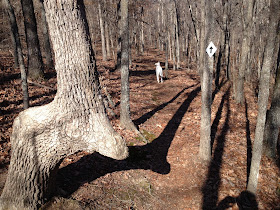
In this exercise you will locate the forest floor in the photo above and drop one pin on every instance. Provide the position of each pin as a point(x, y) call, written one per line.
point(166, 172)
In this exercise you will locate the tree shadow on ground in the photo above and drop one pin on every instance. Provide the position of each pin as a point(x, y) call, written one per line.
point(50, 74)
point(215, 124)
point(149, 157)
point(6, 103)
point(217, 88)
point(149, 114)
point(249, 141)
point(142, 73)
point(4, 79)
point(211, 185)
point(218, 69)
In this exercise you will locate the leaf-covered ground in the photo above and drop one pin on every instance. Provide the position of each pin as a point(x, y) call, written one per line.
point(165, 173)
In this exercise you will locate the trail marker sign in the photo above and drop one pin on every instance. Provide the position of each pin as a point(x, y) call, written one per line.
point(211, 49)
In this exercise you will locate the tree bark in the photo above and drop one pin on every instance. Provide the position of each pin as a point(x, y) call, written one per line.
point(14, 30)
point(118, 63)
point(245, 48)
point(264, 94)
point(202, 44)
point(35, 63)
point(18, 50)
point(107, 40)
point(102, 32)
point(142, 38)
point(177, 36)
point(272, 124)
point(125, 119)
point(206, 87)
point(273, 119)
point(47, 44)
point(75, 120)
point(166, 58)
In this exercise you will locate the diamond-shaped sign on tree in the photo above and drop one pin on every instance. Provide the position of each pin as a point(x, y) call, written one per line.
point(211, 49)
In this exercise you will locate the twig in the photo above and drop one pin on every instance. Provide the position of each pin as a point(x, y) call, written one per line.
point(40, 85)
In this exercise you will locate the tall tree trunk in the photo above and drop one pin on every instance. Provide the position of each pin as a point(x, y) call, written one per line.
point(35, 63)
point(142, 37)
point(166, 58)
point(125, 119)
point(245, 48)
point(273, 121)
point(227, 56)
point(15, 35)
point(107, 40)
point(264, 94)
point(170, 45)
point(75, 120)
point(177, 37)
point(234, 56)
point(102, 32)
point(173, 50)
point(47, 44)
point(118, 63)
point(159, 28)
point(112, 38)
point(14, 31)
point(206, 87)
point(202, 44)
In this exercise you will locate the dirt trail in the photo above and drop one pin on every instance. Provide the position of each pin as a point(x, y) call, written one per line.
point(165, 173)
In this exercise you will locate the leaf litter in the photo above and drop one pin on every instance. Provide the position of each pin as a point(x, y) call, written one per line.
point(165, 173)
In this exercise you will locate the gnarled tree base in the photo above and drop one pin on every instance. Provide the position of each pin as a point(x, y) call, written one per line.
point(41, 138)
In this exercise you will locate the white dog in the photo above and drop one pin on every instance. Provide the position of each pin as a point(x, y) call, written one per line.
point(159, 72)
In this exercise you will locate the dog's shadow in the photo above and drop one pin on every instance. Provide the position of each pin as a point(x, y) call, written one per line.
point(142, 73)
point(148, 157)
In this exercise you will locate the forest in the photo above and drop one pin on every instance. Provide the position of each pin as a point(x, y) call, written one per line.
point(144, 104)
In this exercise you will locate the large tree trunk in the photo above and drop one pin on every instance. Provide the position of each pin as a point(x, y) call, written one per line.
point(35, 63)
point(18, 50)
point(74, 121)
point(206, 87)
point(264, 94)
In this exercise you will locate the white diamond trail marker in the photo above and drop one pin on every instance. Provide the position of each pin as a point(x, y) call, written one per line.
point(211, 49)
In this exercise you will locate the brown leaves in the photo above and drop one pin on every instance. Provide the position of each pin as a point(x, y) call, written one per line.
point(154, 108)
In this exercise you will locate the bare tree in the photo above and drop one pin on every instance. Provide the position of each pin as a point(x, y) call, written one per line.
point(75, 120)
point(18, 51)
point(125, 93)
point(273, 120)
point(273, 29)
point(47, 44)
point(102, 31)
point(125, 118)
point(35, 63)
point(206, 85)
point(177, 34)
point(245, 49)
